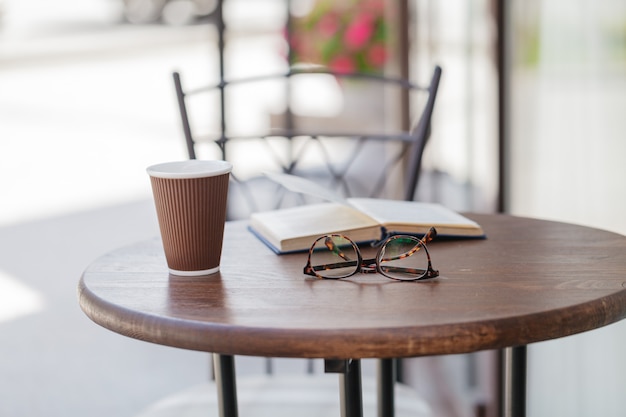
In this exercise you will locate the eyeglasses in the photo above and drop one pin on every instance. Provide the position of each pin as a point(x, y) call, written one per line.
point(400, 257)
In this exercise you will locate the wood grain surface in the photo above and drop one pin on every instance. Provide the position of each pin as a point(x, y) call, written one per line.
point(530, 280)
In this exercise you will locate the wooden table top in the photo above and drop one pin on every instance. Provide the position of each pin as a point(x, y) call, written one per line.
point(530, 280)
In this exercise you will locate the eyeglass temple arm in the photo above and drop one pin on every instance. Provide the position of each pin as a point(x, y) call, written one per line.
point(429, 236)
point(331, 246)
point(428, 273)
point(310, 270)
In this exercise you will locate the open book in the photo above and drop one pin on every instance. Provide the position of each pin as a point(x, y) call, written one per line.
point(361, 219)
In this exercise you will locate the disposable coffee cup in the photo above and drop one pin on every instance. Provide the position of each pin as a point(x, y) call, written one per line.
point(190, 199)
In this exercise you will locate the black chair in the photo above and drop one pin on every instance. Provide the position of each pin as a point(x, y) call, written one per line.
point(385, 163)
point(370, 163)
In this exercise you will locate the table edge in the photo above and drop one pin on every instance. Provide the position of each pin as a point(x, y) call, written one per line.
point(363, 343)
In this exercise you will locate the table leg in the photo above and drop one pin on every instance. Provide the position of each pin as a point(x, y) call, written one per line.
point(349, 385)
point(224, 368)
point(386, 383)
point(350, 390)
point(513, 401)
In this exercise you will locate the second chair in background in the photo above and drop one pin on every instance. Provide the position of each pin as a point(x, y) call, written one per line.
point(351, 152)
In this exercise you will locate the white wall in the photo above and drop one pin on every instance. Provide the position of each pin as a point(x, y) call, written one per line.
point(567, 163)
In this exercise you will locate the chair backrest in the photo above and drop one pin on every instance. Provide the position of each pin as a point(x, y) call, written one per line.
point(421, 132)
point(355, 160)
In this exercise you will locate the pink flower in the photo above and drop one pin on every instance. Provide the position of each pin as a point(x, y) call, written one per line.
point(346, 35)
point(328, 25)
point(359, 31)
point(342, 65)
point(376, 6)
point(377, 55)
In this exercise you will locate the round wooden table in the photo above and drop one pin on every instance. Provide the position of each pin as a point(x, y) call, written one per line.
point(529, 281)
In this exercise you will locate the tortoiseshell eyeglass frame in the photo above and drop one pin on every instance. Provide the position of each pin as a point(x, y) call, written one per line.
point(373, 265)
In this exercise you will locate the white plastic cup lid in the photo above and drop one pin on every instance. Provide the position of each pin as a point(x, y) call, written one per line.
point(193, 168)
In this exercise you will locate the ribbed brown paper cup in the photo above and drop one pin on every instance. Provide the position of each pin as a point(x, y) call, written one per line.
point(190, 199)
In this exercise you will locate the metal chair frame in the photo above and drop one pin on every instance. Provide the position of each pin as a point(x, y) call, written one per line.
point(412, 142)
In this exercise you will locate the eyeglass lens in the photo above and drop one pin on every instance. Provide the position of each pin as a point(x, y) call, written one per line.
point(334, 257)
point(403, 258)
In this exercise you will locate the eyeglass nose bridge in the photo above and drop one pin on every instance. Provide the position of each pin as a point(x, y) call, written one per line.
point(368, 266)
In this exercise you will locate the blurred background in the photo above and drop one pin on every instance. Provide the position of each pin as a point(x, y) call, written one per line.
point(87, 102)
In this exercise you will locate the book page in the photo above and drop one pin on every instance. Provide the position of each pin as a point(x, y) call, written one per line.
point(410, 213)
point(296, 228)
point(305, 186)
